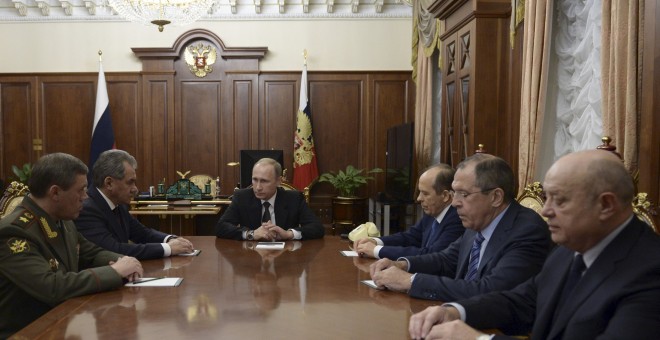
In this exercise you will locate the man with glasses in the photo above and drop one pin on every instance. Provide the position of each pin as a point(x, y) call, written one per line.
point(504, 243)
point(601, 282)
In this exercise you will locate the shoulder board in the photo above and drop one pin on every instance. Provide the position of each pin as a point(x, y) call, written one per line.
point(24, 219)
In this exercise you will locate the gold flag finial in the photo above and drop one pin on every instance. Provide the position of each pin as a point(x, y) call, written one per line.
point(100, 56)
point(305, 56)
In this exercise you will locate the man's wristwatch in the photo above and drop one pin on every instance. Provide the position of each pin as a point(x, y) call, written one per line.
point(250, 235)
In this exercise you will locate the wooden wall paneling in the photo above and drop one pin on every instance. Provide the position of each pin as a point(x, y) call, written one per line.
point(391, 102)
point(125, 108)
point(197, 123)
point(18, 126)
point(242, 122)
point(514, 97)
point(67, 107)
point(155, 153)
point(338, 107)
point(490, 78)
point(649, 122)
point(277, 122)
point(452, 141)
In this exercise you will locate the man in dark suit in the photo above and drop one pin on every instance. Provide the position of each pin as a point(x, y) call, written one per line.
point(267, 212)
point(43, 259)
point(504, 244)
point(105, 220)
point(603, 281)
point(439, 227)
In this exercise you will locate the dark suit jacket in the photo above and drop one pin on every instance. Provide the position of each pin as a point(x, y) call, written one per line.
point(100, 225)
point(415, 240)
point(618, 297)
point(42, 265)
point(291, 212)
point(515, 252)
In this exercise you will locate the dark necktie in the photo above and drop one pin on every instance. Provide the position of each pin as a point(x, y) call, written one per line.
point(115, 211)
point(266, 215)
point(573, 277)
point(474, 258)
point(435, 230)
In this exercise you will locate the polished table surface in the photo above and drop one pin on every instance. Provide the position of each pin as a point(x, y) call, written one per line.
point(309, 290)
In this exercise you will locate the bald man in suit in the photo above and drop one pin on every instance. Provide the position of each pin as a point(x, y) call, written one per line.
point(603, 281)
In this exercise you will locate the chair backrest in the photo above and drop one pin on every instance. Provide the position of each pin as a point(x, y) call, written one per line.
point(12, 197)
point(532, 197)
point(643, 209)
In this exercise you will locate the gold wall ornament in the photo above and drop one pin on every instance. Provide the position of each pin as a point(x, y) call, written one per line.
point(200, 58)
point(49, 232)
point(183, 175)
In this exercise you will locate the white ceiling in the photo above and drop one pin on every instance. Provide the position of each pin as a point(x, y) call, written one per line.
point(97, 10)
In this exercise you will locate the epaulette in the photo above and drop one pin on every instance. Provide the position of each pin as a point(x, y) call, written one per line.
point(24, 219)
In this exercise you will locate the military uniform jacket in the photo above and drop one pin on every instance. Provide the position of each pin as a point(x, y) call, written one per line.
point(43, 264)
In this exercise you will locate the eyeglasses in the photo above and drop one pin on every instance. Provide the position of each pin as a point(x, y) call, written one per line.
point(461, 195)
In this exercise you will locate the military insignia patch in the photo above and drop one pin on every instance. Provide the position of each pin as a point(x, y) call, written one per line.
point(18, 246)
point(49, 232)
point(54, 264)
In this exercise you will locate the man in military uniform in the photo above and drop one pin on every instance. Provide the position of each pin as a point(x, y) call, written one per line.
point(43, 258)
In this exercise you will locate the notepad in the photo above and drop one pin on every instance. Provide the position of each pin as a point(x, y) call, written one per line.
point(194, 253)
point(349, 253)
point(156, 282)
point(270, 245)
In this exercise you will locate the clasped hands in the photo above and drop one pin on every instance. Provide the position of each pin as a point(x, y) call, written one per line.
point(128, 267)
point(390, 274)
point(440, 322)
point(270, 232)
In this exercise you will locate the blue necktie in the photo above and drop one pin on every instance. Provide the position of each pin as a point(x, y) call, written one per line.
point(474, 258)
point(435, 230)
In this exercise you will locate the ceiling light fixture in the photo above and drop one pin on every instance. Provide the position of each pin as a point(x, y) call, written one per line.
point(162, 12)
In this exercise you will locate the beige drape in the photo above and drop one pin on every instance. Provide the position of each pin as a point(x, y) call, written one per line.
point(536, 54)
point(425, 39)
point(621, 79)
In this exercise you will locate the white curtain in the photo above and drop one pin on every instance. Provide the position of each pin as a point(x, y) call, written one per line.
point(577, 46)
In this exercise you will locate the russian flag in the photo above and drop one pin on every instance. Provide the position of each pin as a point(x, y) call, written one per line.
point(305, 169)
point(103, 138)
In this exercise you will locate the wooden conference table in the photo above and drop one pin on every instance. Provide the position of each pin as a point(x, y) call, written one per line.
point(307, 291)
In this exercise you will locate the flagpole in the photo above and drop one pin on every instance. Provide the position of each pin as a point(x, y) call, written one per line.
point(100, 56)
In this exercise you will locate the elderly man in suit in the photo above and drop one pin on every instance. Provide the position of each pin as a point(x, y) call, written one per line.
point(267, 212)
point(43, 259)
point(504, 243)
point(105, 219)
point(439, 227)
point(603, 281)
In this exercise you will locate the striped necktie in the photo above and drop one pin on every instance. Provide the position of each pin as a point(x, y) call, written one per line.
point(474, 258)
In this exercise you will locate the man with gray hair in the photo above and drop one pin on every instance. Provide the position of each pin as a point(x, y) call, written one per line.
point(105, 220)
point(504, 243)
point(601, 282)
point(43, 259)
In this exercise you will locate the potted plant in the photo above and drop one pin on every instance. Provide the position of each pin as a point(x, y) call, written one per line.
point(348, 210)
point(23, 174)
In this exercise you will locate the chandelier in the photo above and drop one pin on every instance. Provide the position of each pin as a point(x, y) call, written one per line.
point(162, 12)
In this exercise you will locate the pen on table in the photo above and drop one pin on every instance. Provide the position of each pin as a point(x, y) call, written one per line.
point(147, 280)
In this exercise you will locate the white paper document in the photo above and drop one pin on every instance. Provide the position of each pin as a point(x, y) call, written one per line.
point(270, 245)
point(349, 253)
point(371, 284)
point(156, 282)
point(194, 253)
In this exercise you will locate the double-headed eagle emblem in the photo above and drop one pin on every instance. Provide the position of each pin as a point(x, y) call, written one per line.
point(200, 58)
